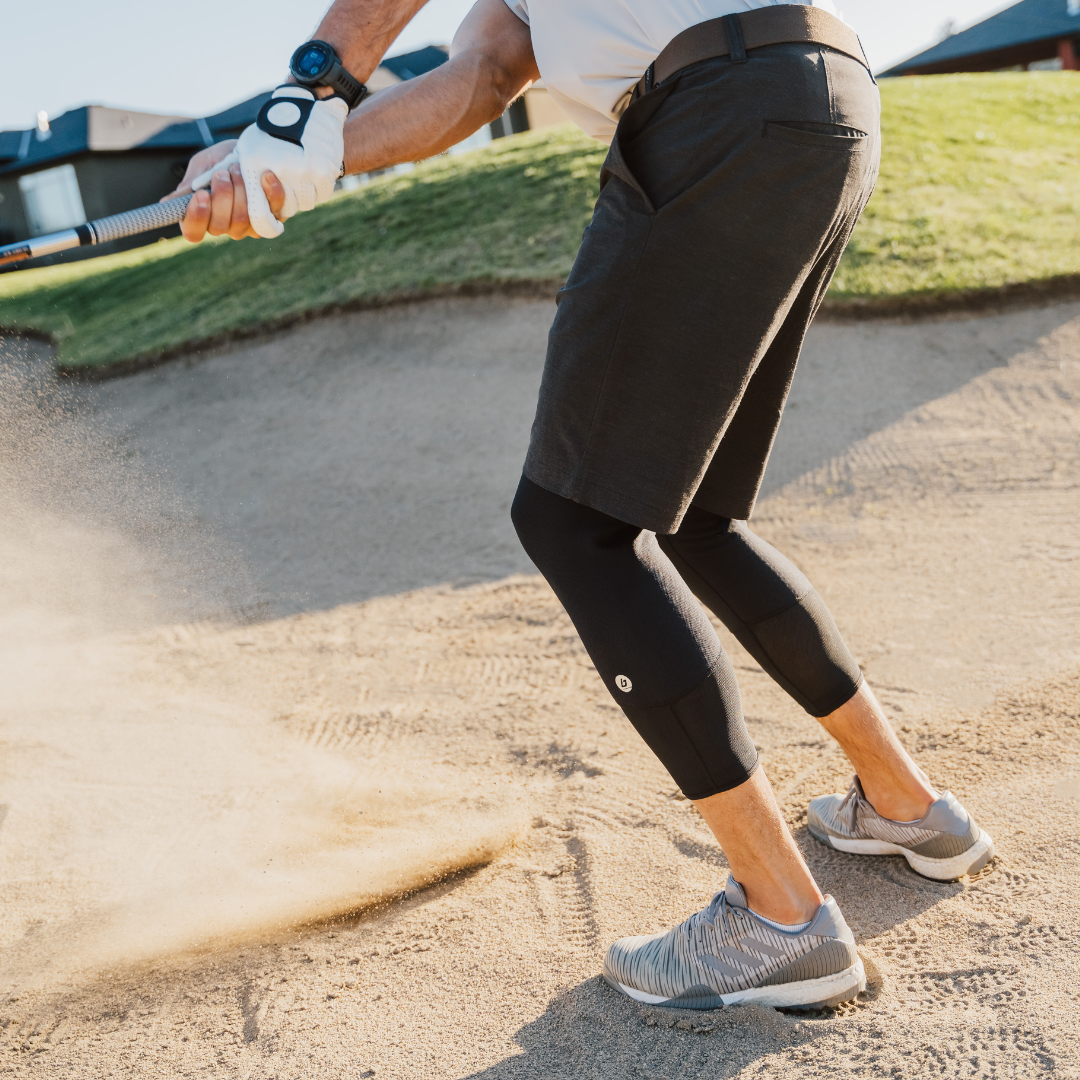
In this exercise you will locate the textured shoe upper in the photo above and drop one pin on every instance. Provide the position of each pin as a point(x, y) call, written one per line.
point(726, 948)
point(947, 829)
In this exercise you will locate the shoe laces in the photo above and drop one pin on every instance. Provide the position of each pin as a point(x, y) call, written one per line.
point(718, 909)
point(850, 806)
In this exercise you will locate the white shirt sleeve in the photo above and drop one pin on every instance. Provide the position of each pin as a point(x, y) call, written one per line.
point(520, 8)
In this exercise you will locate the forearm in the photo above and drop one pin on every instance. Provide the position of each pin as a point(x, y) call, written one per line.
point(362, 30)
point(491, 62)
point(427, 115)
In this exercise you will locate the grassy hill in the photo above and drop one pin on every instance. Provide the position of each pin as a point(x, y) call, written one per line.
point(980, 187)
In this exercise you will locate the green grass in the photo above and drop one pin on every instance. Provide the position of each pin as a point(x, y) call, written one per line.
point(980, 187)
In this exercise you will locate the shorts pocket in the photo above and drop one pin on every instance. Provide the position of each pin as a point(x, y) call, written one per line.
point(826, 136)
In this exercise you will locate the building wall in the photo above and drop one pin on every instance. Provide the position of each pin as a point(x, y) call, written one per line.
point(109, 184)
point(13, 223)
point(541, 109)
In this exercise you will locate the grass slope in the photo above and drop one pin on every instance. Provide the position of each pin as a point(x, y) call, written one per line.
point(979, 187)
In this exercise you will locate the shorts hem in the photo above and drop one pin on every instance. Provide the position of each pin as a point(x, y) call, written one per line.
point(607, 500)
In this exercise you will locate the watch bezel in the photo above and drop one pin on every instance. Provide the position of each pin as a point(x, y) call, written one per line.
point(302, 77)
point(333, 75)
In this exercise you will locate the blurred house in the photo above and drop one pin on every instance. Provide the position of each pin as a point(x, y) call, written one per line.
point(95, 161)
point(1032, 34)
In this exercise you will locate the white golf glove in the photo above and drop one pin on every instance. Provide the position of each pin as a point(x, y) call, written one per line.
point(301, 140)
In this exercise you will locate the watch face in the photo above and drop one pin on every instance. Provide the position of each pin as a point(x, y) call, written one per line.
point(313, 61)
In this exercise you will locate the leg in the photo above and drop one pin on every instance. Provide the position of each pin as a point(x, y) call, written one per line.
point(894, 785)
point(761, 851)
point(664, 665)
point(773, 610)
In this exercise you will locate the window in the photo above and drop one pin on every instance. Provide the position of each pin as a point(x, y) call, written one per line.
point(52, 200)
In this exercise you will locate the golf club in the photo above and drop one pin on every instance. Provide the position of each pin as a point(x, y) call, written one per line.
point(114, 227)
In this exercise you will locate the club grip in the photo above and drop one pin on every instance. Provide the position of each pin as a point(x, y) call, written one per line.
point(145, 218)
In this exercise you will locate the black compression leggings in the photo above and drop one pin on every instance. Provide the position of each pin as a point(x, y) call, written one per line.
point(628, 593)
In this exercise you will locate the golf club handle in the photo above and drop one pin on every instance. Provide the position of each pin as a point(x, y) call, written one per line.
point(101, 231)
point(155, 216)
point(115, 227)
point(132, 222)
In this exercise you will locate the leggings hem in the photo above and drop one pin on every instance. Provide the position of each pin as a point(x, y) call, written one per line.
point(720, 790)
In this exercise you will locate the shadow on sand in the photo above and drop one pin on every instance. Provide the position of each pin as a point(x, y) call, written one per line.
point(378, 452)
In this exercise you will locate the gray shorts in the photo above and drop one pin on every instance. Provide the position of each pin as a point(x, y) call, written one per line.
point(727, 198)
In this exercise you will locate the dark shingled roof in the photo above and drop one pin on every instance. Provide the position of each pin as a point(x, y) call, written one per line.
point(1030, 21)
point(70, 131)
point(222, 125)
point(69, 134)
point(409, 65)
point(229, 124)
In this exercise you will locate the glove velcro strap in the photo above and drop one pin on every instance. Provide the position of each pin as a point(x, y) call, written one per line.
point(295, 113)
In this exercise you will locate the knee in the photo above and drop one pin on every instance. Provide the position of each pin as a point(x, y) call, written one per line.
point(535, 525)
point(557, 532)
point(701, 531)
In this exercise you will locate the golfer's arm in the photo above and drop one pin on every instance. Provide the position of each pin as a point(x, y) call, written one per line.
point(362, 30)
point(491, 62)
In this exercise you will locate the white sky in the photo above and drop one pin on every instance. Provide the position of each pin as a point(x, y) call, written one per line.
point(200, 57)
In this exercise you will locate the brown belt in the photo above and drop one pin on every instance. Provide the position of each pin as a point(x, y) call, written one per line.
point(733, 35)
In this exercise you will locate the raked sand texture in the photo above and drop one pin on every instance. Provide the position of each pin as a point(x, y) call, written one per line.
point(271, 657)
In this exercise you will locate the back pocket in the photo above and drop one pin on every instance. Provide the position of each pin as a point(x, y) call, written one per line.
point(808, 133)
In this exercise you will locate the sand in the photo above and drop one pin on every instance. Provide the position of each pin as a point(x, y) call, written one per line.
point(272, 658)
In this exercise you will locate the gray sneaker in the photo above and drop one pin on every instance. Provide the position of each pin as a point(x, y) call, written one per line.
point(944, 844)
point(726, 955)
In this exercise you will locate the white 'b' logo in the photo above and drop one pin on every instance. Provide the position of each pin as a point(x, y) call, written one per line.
point(624, 684)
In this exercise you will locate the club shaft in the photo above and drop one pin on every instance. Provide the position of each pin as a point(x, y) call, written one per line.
point(115, 227)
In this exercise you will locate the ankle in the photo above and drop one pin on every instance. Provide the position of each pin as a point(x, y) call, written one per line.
point(909, 803)
point(784, 906)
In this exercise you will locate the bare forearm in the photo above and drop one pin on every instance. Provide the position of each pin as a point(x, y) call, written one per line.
point(428, 115)
point(491, 62)
point(362, 30)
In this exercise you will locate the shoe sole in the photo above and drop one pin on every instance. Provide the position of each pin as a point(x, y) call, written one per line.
point(967, 862)
point(807, 994)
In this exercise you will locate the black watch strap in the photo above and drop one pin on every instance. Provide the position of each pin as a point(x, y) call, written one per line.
point(333, 74)
point(352, 90)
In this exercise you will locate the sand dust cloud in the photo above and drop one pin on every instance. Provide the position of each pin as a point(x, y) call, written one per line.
point(152, 805)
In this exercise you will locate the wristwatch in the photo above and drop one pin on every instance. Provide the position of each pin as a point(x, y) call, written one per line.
point(316, 63)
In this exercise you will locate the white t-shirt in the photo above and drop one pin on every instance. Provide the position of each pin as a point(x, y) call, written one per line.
point(591, 52)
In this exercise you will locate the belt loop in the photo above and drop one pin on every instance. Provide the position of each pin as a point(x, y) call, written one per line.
point(736, 42)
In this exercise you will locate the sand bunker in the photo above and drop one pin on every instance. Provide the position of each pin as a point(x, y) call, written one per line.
point(151, 806)
point(325, 487)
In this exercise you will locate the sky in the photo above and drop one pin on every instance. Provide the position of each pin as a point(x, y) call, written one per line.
point(205, 55)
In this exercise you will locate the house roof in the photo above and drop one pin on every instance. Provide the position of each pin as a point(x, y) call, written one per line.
point(1025, 23)
point(96, 127)
point(68, 134)
point(92, 127)
point(187, 134)
point(411, 64)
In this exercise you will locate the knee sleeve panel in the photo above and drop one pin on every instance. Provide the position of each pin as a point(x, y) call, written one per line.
point(646, 634)
point(636, 617)
point(769, 605)
point(701, 737)
point(804, 646)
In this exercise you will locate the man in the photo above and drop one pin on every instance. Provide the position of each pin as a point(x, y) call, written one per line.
point(744, 145)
